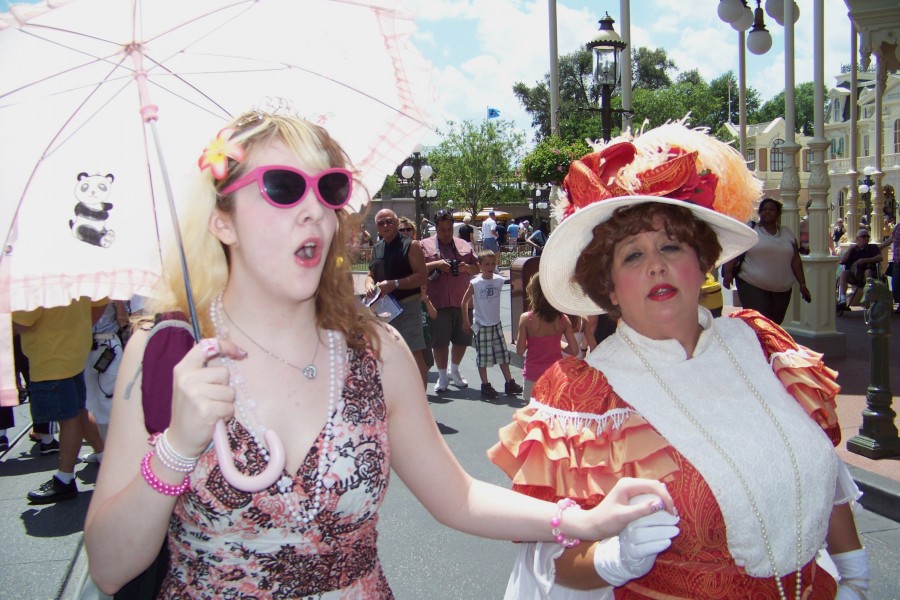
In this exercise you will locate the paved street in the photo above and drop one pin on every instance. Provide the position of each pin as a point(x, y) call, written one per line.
point(423, 560)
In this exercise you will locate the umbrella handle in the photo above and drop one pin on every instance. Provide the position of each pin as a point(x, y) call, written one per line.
point(249, 483)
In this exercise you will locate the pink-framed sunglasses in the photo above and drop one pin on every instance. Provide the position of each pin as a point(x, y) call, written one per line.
point(284, 187)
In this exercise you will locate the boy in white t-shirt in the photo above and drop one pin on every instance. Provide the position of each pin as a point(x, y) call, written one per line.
point(484, 293)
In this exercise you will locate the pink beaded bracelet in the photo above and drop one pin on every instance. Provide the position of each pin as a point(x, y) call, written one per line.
point(159, 485)
point(556, 521)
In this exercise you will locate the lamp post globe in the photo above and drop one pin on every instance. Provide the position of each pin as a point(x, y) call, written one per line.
point(416, 170)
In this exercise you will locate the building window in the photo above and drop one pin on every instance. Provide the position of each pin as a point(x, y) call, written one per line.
point(751, 159)
point(865, 145)
point(837, 111)
point(897, 136)
point(777, 159)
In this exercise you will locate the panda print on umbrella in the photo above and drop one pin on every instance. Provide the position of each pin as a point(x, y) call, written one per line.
point(92, 210)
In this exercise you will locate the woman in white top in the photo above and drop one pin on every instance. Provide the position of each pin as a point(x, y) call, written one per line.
point(769, 268)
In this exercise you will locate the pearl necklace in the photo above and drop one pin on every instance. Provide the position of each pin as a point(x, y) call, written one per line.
point(721, 451)
point(309, 371)
point(245, 407)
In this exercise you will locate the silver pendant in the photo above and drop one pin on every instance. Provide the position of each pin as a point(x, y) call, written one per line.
point(310, 371)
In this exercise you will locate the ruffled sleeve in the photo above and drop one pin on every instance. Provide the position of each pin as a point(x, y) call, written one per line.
point(577, 438)
point(801, 370)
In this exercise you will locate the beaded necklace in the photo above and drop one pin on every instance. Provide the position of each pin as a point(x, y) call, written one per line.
point(740, 476)
point(245, 407)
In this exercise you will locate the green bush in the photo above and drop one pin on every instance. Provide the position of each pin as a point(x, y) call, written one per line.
point(549, 162)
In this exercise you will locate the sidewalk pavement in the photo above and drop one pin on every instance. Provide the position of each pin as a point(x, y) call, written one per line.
point(43, 555)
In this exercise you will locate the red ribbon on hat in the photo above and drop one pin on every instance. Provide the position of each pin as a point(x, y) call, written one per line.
point(593, 178)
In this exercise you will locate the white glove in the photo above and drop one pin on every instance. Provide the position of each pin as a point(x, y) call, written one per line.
point(853, 568)
point(631, 554)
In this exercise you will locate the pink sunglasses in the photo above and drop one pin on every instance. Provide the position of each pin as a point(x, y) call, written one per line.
point(284, 187)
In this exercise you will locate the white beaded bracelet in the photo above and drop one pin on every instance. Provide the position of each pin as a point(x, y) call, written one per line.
point(170, 458)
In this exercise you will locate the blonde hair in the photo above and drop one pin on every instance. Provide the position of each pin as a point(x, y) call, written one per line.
point(207, 258)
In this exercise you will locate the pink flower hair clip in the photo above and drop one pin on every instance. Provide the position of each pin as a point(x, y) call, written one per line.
point(220, 149)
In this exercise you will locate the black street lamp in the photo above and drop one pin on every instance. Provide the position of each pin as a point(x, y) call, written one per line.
point(607, 48)
point(865, 191)
point(417, 169)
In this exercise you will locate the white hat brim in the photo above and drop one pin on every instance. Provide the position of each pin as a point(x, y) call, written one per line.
point(573, 235)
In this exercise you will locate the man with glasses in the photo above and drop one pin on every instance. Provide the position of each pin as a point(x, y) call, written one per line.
point(859, 264)
point(398, 268)
point(450, 262)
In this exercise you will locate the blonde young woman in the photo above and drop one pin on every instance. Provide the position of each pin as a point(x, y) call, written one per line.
point(317, 399)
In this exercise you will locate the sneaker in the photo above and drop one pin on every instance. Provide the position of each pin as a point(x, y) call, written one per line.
point(488, 391)
point(4, 443)
point(457, 380)
point(93, 457)
point(51, 448)
point(442, 385)
point(512, 388)
point(53, 491)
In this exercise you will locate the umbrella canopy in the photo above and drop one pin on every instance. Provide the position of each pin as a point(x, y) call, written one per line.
point(84, 179)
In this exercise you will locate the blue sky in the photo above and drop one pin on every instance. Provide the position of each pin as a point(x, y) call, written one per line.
point(480, 48)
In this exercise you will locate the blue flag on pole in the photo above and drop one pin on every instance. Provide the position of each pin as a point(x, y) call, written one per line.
point(493, 113)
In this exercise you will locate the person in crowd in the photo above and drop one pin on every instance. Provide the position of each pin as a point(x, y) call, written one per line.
point(837, 232)
point(525, 230)
point(364, 238)
point(407, 228)
point(858, 264)
point(57, 342)
point(766, 273)
point(284, 504)
point(489, 233)
point(102, 367)
point(490, 344)
point(501, 236)
point(541, 332)
point(710, 406)
point(512, 235)
point(451, 263)
point(536, 240)
point(429, 314)
point(42, 433)
point(466, 230)
point(398, 269)
point(894, 242)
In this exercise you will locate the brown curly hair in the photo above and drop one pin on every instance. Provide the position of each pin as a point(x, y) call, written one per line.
point(593, 270)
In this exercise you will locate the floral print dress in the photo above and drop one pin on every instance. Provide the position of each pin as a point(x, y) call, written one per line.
point(226, 543)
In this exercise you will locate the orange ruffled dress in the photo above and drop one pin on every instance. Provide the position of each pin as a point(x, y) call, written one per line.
point(558, 447)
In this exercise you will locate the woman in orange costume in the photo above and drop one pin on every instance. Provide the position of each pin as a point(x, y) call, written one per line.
point(734, 416)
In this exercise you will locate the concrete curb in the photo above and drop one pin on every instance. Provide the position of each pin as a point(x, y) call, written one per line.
point(880, 494)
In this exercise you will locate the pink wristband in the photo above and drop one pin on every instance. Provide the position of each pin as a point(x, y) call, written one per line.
point(556, 521)
point(159, 485)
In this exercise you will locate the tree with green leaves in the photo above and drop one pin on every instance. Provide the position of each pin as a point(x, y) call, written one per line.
point(576, 98)
point(475, 164)
point(720, 86)
point(804, 108)
point(650, 69)
point(549, 162)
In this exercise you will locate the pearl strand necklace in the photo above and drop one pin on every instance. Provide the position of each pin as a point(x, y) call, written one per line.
point(721, 451)
point(246, 410)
